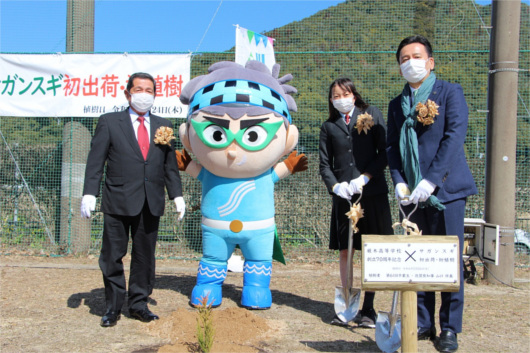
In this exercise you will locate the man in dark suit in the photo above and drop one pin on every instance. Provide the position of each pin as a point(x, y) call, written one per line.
point(133, 196)
point(427, 126)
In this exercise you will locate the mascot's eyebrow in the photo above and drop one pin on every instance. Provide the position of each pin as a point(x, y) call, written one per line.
point(221, 122)
point(243, 124)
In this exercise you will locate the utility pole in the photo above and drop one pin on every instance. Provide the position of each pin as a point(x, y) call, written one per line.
point(74, 231)
point(80, 26)
point(502, 134)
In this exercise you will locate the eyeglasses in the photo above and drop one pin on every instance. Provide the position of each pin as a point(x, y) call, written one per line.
point(252, 138)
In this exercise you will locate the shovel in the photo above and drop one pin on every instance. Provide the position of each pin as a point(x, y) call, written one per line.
point(388, 325)
point(388, 328)
point(347, 299)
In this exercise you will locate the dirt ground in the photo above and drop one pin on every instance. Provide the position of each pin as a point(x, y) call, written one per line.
point(54, 304)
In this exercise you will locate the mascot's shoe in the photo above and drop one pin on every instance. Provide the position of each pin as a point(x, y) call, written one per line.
point(210, 279)
point(256, 280)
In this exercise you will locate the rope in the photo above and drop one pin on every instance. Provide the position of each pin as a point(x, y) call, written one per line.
point(480, 17)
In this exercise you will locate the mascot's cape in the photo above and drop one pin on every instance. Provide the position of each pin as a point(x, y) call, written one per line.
point(277, 253)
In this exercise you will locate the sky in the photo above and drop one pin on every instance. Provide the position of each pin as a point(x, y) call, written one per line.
point(39, 26)
point(138, 26)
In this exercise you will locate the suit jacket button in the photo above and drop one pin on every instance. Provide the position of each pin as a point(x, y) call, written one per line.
point(145, 179)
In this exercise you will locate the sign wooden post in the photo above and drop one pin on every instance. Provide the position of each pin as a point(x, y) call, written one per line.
point(409, 321)
point(410, 263)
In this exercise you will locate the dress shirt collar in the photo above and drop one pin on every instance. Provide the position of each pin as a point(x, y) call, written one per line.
point(134, 116)
point(350, 114)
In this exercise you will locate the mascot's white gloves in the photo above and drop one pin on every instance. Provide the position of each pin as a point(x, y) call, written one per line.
point(88, 203)
point(423, 190)
point(343, 190)
point(181, 206)
point(356, 185)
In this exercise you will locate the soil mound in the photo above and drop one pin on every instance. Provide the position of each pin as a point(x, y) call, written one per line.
point(236, 330)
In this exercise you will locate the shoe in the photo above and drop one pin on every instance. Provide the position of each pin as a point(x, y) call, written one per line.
point(368, 318)
point(144, 315)
point(338, 322)
point(110, 318)
point(447, 342)
point(357, 319)
point(426, 333)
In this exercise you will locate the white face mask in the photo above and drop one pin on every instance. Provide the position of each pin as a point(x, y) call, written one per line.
point(343, 105)
point(414, 70)
point(142, 102)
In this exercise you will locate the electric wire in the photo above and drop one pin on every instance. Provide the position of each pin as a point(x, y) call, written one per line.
point(486, 268)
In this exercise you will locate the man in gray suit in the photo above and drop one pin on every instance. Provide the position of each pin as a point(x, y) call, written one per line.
point(133, 199)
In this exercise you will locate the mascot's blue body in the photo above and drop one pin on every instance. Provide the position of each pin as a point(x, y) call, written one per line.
point(238, 128)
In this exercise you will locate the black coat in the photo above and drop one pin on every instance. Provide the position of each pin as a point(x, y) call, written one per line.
point(345, 154)
point(129, 179)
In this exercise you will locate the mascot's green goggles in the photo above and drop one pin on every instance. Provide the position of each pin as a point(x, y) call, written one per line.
point(252, 138)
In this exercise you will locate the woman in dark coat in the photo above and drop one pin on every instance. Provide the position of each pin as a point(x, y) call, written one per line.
point(352, 161)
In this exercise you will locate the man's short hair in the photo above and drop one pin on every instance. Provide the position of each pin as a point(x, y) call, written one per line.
point(140, 75)
point(415, 39)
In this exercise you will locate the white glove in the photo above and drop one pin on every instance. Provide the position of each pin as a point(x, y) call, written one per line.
point(181, 206)
point(357, 184)
point(88, 203)
point(343, 190)
point(423, 190)
point(402, 191)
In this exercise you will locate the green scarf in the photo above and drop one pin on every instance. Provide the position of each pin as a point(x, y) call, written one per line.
point(408, 139)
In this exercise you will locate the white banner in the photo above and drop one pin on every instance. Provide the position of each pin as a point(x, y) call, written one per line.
point(254, 46)
point(87, 85)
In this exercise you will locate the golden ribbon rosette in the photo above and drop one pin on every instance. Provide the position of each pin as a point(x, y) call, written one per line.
point(164, 135)
point(427, 112)
point(355, 213)
point(364, 123)
point(410, 228)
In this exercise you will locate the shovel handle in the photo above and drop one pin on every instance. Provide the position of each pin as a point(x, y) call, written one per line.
point(393, 313)
point(356, 201)
point(349, 273)
point(405, 216)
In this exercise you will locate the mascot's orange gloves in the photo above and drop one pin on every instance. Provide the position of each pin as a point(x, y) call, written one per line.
point(183, 159)
point(296, 163)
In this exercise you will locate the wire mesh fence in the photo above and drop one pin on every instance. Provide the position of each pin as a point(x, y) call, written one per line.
point(39, 172)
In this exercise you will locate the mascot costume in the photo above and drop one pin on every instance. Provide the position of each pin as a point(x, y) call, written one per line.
point(238, 127)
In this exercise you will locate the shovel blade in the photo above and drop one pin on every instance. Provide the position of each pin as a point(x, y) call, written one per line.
point(388, 338)
point(347, 303)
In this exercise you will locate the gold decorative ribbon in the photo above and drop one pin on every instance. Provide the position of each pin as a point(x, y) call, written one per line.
point(355, 213)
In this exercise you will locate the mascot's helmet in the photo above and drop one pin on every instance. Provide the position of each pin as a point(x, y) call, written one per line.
point(229, 88)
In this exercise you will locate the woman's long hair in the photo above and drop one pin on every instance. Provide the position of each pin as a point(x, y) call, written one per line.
point(347, 85)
